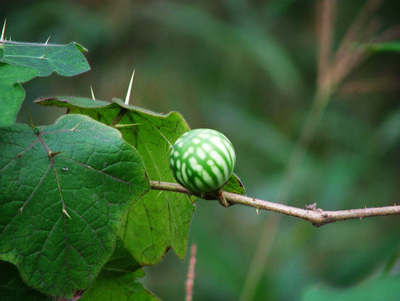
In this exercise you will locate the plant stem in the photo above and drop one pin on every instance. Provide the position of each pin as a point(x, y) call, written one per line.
point(190, 275)
point(316, 216)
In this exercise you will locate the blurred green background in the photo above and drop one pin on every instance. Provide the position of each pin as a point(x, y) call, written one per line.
point(249, 70)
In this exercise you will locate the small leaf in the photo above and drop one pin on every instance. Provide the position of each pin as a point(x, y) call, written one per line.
point(11, 92)
point(234, 185)
point(66, 60)
point(64, 190)
point(11, 74)
point(159, 220)
point(109, 287)
point(118, 279)
point(121, 261)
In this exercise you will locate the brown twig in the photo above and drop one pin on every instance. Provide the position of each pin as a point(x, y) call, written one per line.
point(316, 216)
point(190, 275)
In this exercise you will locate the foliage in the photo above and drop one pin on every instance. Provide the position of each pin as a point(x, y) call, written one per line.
point(20, 62)
point(71, 187)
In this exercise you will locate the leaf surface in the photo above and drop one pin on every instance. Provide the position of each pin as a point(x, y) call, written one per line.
point(118, 279)
point(125, 287)
point(21, 62)
point(234, 185)
point(64, 189)
point(11, 92)
point(159, 220)
point(66, 60)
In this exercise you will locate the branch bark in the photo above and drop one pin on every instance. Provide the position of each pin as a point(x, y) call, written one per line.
point(316, 216)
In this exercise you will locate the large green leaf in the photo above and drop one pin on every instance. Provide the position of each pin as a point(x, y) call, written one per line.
point(11, 92)
point(66, 60)
point(382, 288)
point(159, 220)
point(63, 191)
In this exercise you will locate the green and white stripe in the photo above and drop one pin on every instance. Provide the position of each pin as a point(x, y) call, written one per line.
point(202, 160)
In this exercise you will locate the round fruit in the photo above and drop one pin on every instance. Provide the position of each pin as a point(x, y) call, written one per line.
point(202, 160)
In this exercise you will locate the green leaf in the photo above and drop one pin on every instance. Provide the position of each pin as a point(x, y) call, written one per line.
point(12, 288)
point(64, 190)
point(385, 47)
point(109, 286)
point(11, 74)
point(234, 185)
point(118, 279)
point(121, 261)
point(66, 60)
point(11, 92)
point(382, 288)
point(159, 220)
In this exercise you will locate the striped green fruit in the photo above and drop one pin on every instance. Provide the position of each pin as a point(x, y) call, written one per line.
point(202, 160)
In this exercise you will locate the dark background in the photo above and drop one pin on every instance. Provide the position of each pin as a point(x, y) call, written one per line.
point(249, 70)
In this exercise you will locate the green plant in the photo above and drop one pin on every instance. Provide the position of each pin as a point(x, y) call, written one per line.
point(75, 196)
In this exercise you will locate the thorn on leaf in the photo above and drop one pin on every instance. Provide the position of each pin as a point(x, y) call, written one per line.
point(128, 93)
point(92, 92)
point(74, 128)
point(52, 155)
point(66, 213)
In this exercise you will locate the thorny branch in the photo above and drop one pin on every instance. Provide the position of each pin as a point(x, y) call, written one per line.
point(316, 216)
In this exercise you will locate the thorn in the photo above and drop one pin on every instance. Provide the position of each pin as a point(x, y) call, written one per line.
point(312, 206)
point(3, 32)
point(52, 155)
point(66, 213)
point(159, 193)
point(92, 92)
point(257, 211)
point(128, 93)
point(74, 128)
point(47, 41)
point(43, 56)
